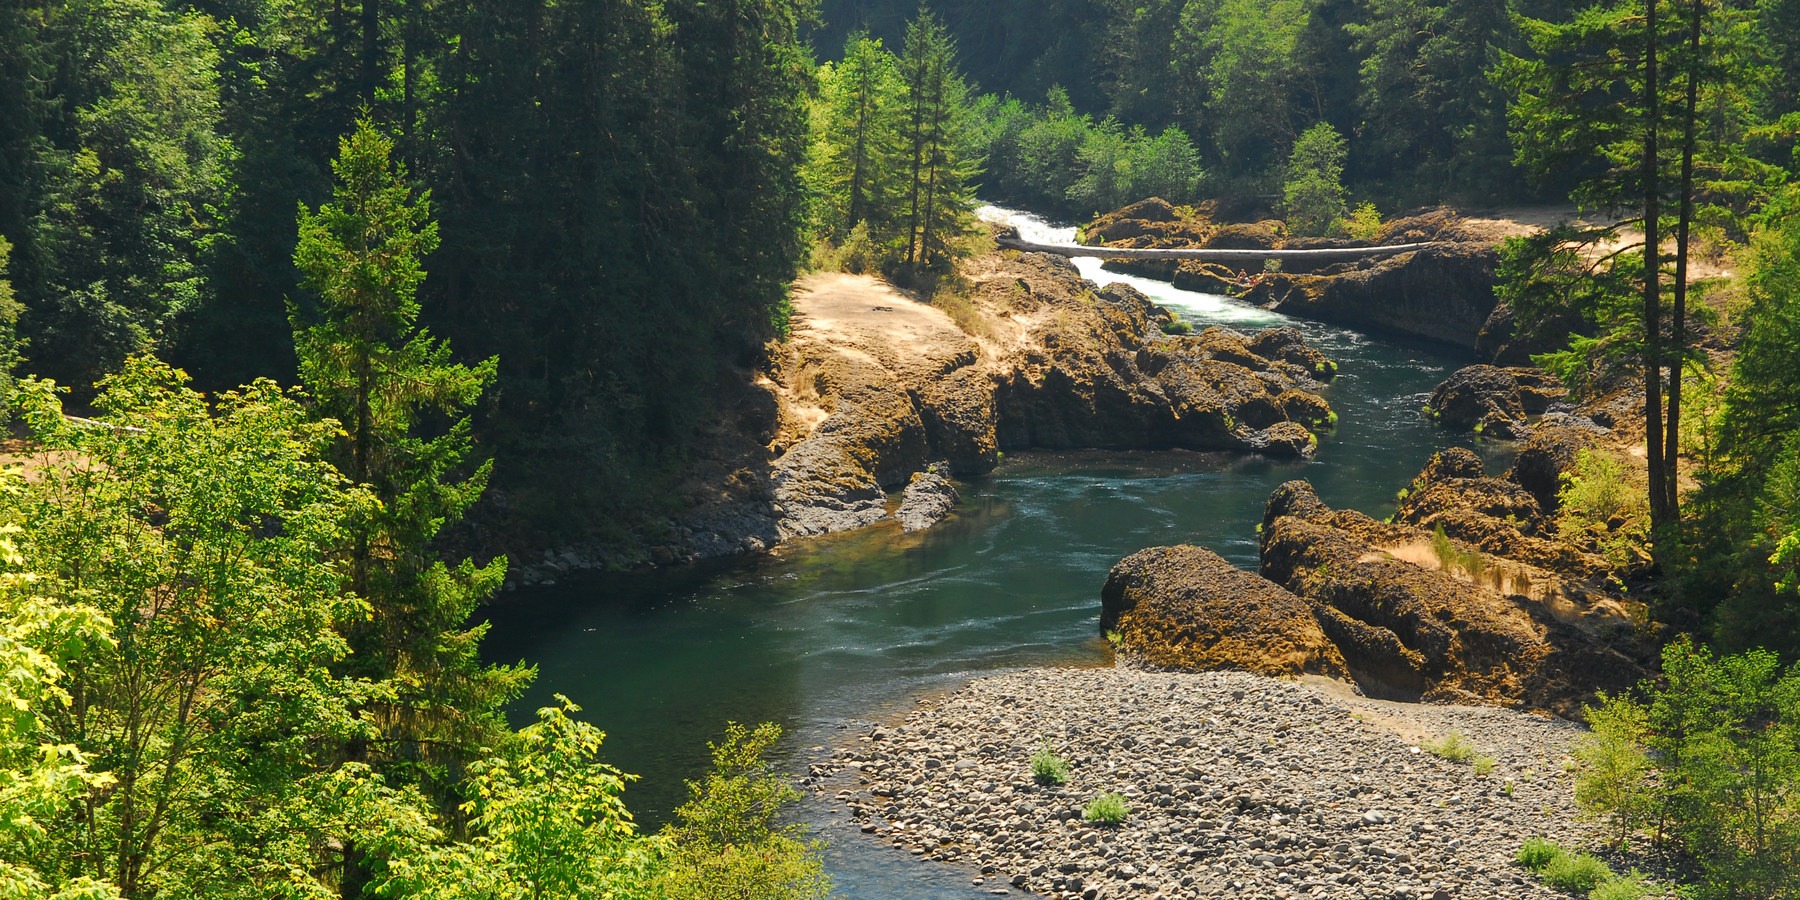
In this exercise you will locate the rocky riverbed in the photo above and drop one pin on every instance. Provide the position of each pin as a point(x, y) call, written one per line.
point(1238, 785)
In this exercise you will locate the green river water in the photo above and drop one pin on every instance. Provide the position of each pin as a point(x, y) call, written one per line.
point(828, 633)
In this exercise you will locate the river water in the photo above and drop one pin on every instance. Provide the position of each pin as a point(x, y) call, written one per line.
point(826, 633)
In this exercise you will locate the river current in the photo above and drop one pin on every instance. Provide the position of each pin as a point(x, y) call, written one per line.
point(826, 633)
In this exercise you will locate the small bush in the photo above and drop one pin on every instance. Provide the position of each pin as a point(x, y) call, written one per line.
point(1452, 558)
point(1575, 872)
point(859, 253)
point(1106, 809)
point(1363, 223)
point(1049, 768)
point(1536, 853)
point(1484, 765)
point(1177, 326)
point(1453, 747)
point(1625, 887)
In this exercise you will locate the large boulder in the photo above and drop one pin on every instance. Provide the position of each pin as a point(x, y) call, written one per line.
point(1101, 374)
point(1187, 607)
point(1494, 401)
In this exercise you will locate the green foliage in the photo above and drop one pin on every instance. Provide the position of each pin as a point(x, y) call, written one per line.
point(1483, 764)
point(1245, 52)
point(1599, 505)
point(127, 167)
point(938, 137)
point(368, 364)
point(858, 163)
point(9, 322)
point(1631, 886)
point(1051, 159)
point(1575, 872)
point(725, 842)
point(1452, 557)
point(39, 639)
point(1536, 853)
point(1363, 223)
point(1578, 873)
point(1049, 768)
point(207, 535)
point(1313, 193)
point(1718, 746)
point(1106, 809)
point(1613, 780)
point(547, 820)
point(1454, 746)
point(1177, 326)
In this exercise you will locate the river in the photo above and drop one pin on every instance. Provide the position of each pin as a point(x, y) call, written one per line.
point(825, 633)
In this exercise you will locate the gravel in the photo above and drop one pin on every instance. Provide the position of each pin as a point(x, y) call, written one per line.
point(1238, 785)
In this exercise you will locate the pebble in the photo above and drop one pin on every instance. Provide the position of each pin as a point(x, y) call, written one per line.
point(1238, 785)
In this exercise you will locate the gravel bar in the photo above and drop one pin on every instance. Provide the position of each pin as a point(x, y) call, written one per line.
point(1238, 786)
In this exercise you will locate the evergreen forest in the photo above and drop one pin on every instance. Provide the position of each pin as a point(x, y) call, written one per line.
point(313, 312)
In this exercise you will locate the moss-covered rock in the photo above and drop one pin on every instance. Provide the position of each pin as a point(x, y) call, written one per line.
point(1187, 607)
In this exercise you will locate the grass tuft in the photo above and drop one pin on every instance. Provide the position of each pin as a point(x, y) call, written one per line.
point(1049, 768)
point(1107, 809)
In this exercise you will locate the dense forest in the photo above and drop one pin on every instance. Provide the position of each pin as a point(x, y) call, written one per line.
point(292, 291)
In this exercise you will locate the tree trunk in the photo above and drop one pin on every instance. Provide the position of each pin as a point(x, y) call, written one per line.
point(1653, 354)
point(371, 50)
point(1678, 327)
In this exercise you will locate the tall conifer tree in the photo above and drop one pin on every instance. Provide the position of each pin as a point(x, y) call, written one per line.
point(367, 362)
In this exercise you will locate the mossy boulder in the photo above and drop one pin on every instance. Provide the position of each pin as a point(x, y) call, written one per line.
point(1187, 607)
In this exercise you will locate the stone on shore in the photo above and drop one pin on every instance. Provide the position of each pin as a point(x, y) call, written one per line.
point(928, 500)
point(1186, 607)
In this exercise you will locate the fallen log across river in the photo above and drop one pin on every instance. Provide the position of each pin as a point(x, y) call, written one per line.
point(1325, 254)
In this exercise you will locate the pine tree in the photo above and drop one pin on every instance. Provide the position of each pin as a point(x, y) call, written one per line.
point(367, 363)
point(862, 102)
point(939, 138)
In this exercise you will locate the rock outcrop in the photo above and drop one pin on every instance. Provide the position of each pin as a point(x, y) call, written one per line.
point(873, 385)
point(1099, 373)
point(1418, 616)
point(1493, 401)
point(1186, 607)
point(1468, 594)
point(1442, 293)
point(928, 500)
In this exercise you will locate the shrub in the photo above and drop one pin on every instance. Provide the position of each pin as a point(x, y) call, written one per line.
point(1177, 325)
point(1049, 768)
point(1484, 765)
point(1625, 887)
point(1536, 853)
point(1106, 809)
point(859, 253)
point(1613, 780)
point(1575, 872)
point(1453, 747)
point(1363, 223)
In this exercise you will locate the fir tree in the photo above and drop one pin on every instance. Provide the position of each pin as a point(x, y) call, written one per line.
point(367, 363)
